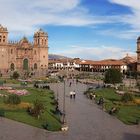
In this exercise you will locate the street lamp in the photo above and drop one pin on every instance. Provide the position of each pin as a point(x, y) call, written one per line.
point(64, 126)
point(64, 113)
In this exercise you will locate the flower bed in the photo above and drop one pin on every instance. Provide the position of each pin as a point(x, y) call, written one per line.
point(18, 92)
point(5, 88)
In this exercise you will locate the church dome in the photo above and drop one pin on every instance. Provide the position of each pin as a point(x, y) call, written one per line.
point(24, 40)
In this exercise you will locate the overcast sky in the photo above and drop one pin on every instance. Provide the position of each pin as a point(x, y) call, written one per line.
point(89, 29)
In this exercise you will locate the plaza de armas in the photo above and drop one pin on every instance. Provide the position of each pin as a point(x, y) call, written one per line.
point(25, 89)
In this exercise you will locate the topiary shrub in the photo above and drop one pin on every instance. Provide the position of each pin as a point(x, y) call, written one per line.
point(2, 113)
point(15, 75)
point(127, 97)
point(12, 99)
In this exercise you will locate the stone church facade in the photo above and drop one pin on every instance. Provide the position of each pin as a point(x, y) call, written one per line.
point(24, 56)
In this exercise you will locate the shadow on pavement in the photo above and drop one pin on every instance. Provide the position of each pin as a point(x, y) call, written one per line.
point(129, 136)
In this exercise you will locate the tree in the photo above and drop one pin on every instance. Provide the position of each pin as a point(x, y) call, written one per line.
point(15, 75)
point(37, 109)
point(113, 76)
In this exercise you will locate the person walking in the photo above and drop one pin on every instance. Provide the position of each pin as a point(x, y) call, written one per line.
point(70, 84)
point(74, 94)
point(71, 94)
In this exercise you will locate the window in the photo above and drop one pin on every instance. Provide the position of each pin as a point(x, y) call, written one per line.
point(11, 51)
point(25, 51)
point(35, 52)
point(44, 56)
point(35, 66)
point(3, 40)
point(12, 67)
point(3, 36)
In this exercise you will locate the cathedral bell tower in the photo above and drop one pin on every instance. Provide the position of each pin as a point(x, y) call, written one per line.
point(41, 49)
point(3, 35)
point(41, 38)
point(138, 54)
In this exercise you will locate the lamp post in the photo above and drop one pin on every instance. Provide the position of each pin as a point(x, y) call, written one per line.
point(64, 125)
point(64, 113)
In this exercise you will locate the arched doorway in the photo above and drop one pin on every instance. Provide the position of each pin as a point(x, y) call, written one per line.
point(35, 66)
point(12, 67)
point(25, 64)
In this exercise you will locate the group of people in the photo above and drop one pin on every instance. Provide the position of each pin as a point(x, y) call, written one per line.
point(72, 94)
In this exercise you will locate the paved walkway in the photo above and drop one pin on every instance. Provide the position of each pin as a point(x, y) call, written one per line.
point(86, 121)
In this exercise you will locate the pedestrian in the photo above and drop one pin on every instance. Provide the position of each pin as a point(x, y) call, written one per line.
point(70, 84)
point(76, 81)
point(71, 94)
point(74, 94)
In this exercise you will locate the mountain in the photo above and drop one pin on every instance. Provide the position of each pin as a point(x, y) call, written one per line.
point(55, 56)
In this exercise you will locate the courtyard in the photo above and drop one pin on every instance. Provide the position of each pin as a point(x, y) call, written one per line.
point(85, 120)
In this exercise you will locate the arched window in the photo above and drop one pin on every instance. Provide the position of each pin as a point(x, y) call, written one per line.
point(35, 52)
point(42, 41)
point(11, 51)
point(25, 64)
point(35, 66)
point(12, 67)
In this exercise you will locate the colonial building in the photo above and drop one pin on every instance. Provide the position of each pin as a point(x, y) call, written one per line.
point(138, 54)
point(103, 65)
point(23, 55)
point(87, 65)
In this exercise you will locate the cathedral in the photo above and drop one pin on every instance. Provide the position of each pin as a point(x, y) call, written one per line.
point(24, 56)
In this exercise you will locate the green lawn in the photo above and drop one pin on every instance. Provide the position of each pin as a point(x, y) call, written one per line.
point(128, 113)
point(20, 114)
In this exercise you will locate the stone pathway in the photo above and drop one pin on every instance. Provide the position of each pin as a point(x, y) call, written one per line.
point(85, 119)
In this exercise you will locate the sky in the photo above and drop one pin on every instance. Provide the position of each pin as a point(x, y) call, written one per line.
point(88, 29)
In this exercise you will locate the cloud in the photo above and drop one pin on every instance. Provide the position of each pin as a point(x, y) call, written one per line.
point(132, 19)
point(121, 34)
point(28, 15)
point(96, 53)
point(130, 3)
point(25, 17)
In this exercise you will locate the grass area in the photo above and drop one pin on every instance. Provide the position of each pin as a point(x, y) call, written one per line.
point(10, 81)
point(17, 113)
point(129, 113)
